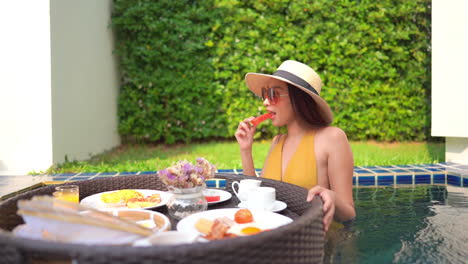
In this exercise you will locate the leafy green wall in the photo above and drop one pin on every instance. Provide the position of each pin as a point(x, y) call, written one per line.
point(183, 64)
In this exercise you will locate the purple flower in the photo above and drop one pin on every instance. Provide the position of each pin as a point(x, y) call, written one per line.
point(184, 174)
point(186, 168)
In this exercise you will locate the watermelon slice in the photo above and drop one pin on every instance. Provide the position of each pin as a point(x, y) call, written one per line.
point(212, 198)
point(256, 121)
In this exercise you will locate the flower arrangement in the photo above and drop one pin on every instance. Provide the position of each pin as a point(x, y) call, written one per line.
point(187, 175)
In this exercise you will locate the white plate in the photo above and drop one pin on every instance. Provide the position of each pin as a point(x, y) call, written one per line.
point(267, 220)
point(94, 201)
point(147, 218)
point(167, 238)
point(278, 206)
point(224, 195)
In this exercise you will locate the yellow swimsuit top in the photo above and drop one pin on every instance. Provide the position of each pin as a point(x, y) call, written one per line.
point(301, 169)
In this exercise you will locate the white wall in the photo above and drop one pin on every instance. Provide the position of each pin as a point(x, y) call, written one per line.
point(450, 76)
point(25, 86)
point(58, 82)
point(456, 149)
point(85, 81)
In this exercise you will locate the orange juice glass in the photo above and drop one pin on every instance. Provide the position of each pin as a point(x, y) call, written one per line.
point(69, 193)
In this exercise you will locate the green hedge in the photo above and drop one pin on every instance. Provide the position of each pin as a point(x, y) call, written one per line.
point(183, 64)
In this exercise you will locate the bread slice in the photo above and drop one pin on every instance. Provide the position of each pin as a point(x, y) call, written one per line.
point(204, 225)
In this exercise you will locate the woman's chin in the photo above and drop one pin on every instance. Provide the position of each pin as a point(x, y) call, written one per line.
point(276, 124)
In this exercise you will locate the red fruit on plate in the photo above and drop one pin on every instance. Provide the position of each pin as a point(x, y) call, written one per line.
point(243, 216)
point(212, 198)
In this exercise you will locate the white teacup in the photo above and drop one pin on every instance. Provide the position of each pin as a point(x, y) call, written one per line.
point(262, 198)
point(244, 186)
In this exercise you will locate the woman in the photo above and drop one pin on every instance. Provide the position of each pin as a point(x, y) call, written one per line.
point(312, 154)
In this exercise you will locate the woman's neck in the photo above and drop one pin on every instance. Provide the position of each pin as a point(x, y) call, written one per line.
point(296, 129)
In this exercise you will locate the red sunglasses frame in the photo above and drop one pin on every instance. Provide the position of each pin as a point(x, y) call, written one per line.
point(272, 95)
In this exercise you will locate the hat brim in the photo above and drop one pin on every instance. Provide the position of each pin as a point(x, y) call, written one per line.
point(255, 82)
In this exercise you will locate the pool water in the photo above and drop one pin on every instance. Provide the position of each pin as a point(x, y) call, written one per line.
point(423, 224)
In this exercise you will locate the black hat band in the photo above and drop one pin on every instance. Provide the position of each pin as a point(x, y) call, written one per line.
point(295, 79)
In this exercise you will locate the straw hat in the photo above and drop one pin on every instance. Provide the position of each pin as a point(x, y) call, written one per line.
point(297, 74)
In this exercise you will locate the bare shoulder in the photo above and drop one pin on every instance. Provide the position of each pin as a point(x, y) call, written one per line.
point(331, 134)
point(331, 139)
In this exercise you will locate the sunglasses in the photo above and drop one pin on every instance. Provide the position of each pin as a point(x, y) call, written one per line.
point(272, 95)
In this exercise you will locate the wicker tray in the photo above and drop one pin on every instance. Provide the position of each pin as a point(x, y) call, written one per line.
point(299, 242)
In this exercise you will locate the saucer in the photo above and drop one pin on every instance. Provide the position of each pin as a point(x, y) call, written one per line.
point(278, 206)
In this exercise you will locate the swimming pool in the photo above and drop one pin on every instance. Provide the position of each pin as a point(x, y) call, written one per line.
point(420, 224)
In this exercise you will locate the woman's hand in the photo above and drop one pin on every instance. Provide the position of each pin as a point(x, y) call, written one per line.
point(245, 133)
point(328, 198)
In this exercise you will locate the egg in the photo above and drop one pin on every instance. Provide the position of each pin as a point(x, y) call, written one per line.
point(245, 229)
point(120, 196)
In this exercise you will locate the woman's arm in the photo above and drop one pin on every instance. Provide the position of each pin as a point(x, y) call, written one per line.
point(244, 136)
point(338, 195)
point(247, 162)
point(340, 174)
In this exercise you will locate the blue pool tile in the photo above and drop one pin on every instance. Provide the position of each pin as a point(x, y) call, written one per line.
point(404, 166)
point(420, 165)
point(372, 167)
point(128, 173)
point(225, 171)
point(362, 171)
point(216, 183)
point(366, 180)
point(422, 178)
point(453, 180)
point(439, 178)
point(398, 170)
point(465, 182)
point(64, 174)
point(416, 170)
point(148, 172)
point(404, 179)
point(354, 181)
point(435, 169)
point(88, 174)
point(385, 180)
point(108, 174)
point(61, 178)
point(81, 178)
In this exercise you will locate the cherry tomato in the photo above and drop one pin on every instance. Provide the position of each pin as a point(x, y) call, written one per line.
point(243, 216)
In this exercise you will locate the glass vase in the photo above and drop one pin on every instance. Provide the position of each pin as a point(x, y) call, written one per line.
point(186, 201)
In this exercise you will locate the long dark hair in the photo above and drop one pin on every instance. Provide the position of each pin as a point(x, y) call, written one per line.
point(304, 106)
